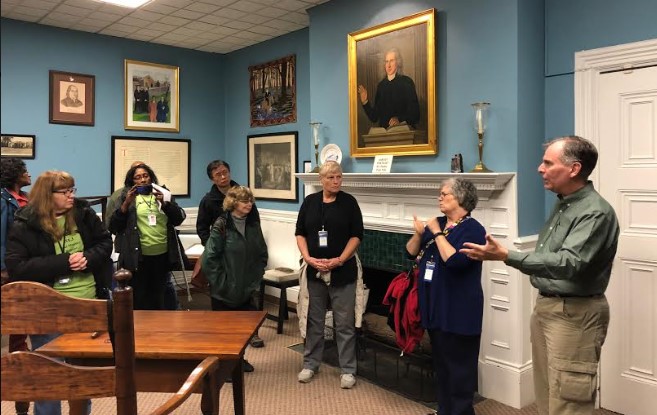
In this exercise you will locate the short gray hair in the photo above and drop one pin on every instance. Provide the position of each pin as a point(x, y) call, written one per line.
point(464, 191)
point(577, 149)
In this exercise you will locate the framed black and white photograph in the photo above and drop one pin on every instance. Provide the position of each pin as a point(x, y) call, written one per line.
point(272, 166)
point(18, 145)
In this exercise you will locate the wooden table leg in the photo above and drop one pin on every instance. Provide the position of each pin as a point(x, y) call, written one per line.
point(78, 407)
point(22, 408)
point(238, 387)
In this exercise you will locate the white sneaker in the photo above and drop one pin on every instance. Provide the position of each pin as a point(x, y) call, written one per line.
point(347, 381)
point(305, 375)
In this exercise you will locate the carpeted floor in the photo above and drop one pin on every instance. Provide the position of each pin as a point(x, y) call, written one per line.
point(273, 388)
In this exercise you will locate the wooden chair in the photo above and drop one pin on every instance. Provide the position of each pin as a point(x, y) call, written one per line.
point(34, 308)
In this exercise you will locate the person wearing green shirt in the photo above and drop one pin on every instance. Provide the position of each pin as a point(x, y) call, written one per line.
point(570, 267)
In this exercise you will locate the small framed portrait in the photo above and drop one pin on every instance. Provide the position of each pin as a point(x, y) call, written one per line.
point(272, 166)
point(152, 97)
point(392, 96)
point(72, 98)
point(18, 145)
point(273, 96)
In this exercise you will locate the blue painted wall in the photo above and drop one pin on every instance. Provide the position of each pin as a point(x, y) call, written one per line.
point(237, 106)
point(515, 54)
point(477, 59)
point(29, 51)
point(572, 26)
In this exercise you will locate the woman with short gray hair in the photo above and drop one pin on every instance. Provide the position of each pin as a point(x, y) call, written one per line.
point(450, 297)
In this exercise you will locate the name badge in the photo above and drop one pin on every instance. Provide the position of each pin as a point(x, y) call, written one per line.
point(428, 271)
point(323, 239)
point(152, 219)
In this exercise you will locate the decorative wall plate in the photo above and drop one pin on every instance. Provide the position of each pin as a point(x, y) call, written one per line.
point(330, 152)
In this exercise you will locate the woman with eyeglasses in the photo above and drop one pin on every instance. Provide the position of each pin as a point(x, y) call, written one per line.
point(59, 240)
point(450, 296)
point(144, 225)
point(235, 255)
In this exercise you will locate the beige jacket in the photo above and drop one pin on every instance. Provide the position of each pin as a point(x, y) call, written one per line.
point(304, 297)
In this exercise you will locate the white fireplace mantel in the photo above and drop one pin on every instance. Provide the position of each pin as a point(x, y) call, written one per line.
point(414, 183)
point(389, 201)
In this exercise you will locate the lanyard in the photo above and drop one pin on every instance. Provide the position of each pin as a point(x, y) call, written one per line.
point(148, 202)
point(450, 228)
point(62, 246)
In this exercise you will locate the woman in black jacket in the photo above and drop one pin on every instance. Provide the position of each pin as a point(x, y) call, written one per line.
point(59, 240)
point(144, 225)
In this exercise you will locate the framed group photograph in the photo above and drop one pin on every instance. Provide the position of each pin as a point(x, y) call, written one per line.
point(18, 145)
point(152, 97)
point(168, 157)
point(392, 92)
point(72, 98)
point(273, 92)
point(272, 166)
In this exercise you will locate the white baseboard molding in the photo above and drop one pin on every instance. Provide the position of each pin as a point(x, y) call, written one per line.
point(509, 384)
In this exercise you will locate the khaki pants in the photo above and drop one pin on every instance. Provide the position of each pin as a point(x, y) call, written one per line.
point(567, 335)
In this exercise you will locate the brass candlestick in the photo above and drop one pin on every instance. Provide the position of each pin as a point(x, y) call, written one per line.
point(316, 169)
point(481, 109)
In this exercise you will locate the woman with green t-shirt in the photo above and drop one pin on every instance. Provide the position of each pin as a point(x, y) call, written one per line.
point(144, 225)
point(59, 240)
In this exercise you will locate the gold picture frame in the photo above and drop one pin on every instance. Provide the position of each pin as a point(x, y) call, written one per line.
point(152, 97)
point(408, 125)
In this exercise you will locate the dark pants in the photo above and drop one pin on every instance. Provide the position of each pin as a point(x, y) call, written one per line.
point(149, 282)
point(217, 305)
point(455, 362)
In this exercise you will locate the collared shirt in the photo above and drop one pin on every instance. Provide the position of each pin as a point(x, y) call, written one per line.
point(576, 247)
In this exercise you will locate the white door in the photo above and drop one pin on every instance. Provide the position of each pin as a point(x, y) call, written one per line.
point(627, 126)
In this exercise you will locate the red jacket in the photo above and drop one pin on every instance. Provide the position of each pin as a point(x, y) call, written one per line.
point(404, 314)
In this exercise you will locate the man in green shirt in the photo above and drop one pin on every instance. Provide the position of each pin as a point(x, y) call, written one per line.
point(570, 267)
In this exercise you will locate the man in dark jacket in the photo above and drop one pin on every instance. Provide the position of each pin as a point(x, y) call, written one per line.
point(211, 206)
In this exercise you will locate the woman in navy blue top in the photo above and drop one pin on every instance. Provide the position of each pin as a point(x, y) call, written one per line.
point(450, 296)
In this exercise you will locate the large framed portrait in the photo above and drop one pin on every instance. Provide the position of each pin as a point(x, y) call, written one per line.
point(272, 166)
point(168, 157)
point(71, 98)
point(273, 92)
point(152, 97)
point(18, 145)
point(392, 94)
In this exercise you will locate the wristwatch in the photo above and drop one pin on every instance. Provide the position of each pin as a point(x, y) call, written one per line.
point(437, 234)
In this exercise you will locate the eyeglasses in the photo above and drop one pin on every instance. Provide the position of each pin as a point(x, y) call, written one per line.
point(66, 192)
point(221, 173)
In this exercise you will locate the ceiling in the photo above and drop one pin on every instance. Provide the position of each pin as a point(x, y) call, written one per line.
point(218, 26)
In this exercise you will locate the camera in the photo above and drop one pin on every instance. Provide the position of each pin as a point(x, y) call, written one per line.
point(144, 190)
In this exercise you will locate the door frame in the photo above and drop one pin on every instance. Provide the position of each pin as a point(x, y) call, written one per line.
point(588, 66)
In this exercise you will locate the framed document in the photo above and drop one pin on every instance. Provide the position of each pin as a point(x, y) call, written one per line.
point(169, 158)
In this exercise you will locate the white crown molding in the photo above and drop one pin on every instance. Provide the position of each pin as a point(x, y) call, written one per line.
point(278, 215)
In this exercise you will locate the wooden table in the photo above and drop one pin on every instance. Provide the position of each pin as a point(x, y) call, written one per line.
point(169, 345)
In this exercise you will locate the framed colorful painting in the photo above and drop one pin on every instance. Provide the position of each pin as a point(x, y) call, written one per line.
point(392, 95)
point(152, 97)
point(273, 92)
